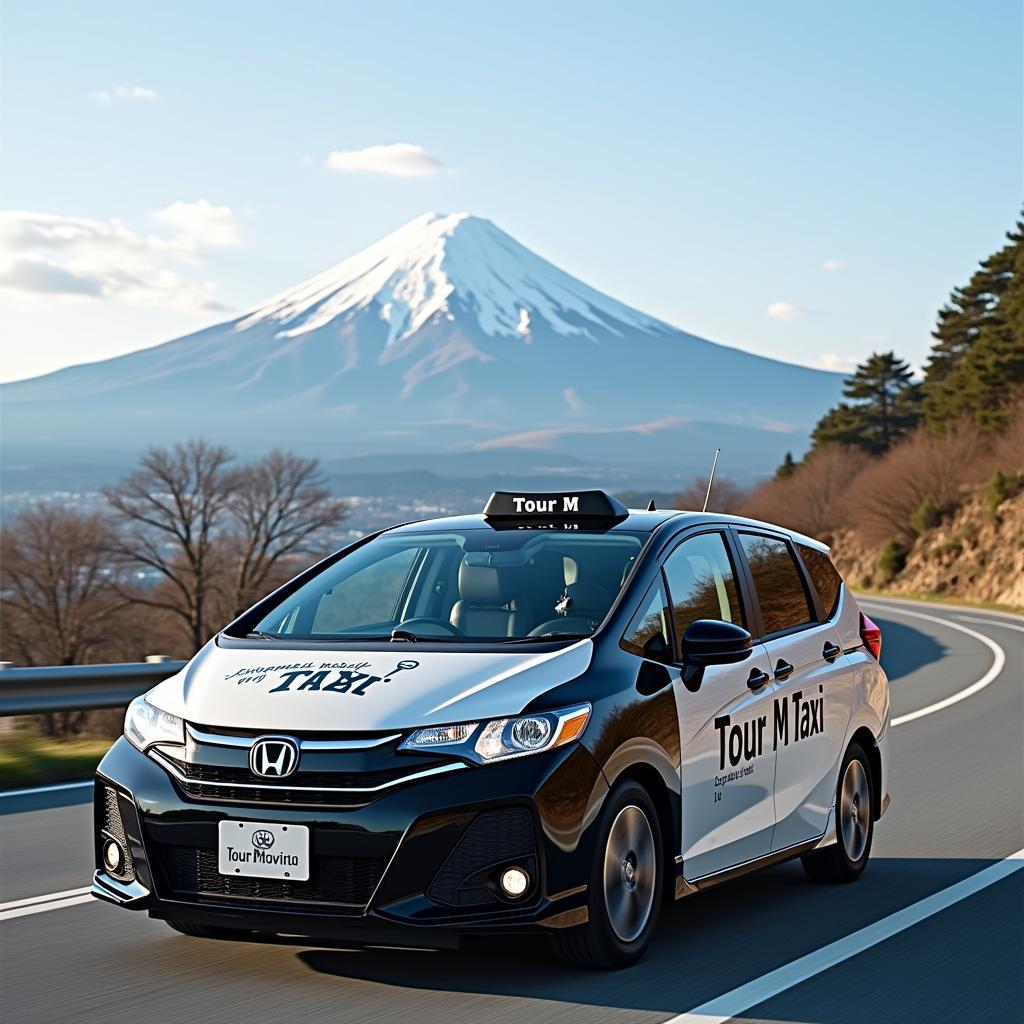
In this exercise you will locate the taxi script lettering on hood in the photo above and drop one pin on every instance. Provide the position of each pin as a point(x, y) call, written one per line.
point(327, 677)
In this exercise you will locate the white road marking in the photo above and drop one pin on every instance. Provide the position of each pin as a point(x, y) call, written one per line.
point(998, 662)
point(45, 789)
point(991, 622)
point(41, 904)
point(724, 1007)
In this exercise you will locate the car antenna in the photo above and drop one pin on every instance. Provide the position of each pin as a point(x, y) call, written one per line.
point(650, 506)
point(711, 480)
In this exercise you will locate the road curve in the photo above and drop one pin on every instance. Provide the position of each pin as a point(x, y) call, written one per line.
point(958, 811)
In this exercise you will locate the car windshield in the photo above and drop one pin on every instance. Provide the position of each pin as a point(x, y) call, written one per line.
point(476, 585)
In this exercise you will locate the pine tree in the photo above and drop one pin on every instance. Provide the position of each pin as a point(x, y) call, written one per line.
point(977, 366)
point(787, 467)
point(885, 406)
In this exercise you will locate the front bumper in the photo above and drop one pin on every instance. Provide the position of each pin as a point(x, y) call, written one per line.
point(414, 866)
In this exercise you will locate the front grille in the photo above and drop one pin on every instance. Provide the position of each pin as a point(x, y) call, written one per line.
point(347, 882)
point(114, 827)
point(494, 838)
point(237, 784)
point(329, 780)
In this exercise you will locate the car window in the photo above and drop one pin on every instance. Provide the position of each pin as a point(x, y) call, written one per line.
point(701, 582)
point(464, 586)
point(825, 577)
point(648, 634)
point(779, 585)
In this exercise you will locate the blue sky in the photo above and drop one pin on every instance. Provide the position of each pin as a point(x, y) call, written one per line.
point(703, 162)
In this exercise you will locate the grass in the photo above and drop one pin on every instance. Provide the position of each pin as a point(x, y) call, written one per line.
point(912, 595)
point(28, 759)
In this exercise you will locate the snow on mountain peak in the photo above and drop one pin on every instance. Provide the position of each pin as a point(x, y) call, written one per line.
point(411, 276)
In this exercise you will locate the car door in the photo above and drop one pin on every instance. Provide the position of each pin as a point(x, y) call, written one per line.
point(727, 765)
point(812, 687)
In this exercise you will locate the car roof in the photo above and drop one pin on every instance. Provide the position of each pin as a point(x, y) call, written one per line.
point(636, 521)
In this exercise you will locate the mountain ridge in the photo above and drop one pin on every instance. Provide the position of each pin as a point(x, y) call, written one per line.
point(446, 334)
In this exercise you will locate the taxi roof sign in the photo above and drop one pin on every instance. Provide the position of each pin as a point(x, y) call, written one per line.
point(563, 504)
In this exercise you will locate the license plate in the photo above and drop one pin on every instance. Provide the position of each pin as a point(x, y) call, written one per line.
point(255, 849)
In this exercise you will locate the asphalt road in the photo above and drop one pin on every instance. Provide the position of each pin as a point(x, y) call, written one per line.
point(958, 809)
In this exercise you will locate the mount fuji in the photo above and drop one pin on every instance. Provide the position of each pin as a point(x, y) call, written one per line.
point(446, 336)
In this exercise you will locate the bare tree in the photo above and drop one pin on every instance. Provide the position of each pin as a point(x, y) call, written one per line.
point(59, 598)
point(815, 498)
point(60, 605)
point(922, 467)
point(726, 496)
point(169, 511)
point(281, 508)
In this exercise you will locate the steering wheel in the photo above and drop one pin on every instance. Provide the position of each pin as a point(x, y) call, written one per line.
point(427, 620)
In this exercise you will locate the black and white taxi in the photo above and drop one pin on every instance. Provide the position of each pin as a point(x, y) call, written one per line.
point(551, 718)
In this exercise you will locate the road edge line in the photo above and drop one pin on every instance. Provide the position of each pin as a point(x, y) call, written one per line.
point(731, 1004)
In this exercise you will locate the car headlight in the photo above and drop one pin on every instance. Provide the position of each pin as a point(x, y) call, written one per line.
point(145, 725)
point(504, 738)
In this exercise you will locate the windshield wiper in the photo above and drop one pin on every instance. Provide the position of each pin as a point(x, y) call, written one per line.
point(547, 638)
point(258, 634)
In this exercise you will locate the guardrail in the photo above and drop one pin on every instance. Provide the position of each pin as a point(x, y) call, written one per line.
point(29, 691)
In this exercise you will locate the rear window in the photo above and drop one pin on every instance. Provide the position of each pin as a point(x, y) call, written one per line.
point(824, 576)
point(779, 585)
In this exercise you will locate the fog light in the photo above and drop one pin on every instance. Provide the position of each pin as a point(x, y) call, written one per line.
point(514, 882)
point(113, 858)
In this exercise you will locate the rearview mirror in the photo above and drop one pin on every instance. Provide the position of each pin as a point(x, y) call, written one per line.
point(713, 642)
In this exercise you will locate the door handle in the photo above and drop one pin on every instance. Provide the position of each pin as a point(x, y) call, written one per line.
point(783, 669)
point(831, 651)
point(757, 679)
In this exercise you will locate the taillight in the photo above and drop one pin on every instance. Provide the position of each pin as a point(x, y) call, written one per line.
point(871, 635)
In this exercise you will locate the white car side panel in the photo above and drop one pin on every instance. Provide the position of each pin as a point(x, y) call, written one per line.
point(728, 811)
point(808, 766)
point(357, 691)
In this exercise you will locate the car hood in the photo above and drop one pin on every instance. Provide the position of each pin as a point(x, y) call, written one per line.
point(356, 691)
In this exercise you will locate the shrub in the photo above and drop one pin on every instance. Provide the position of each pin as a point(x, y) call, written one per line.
point(892, 560)
point(1001, 487)
point(926, 516)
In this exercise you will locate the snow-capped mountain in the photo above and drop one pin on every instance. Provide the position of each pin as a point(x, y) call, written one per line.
point(447, 334)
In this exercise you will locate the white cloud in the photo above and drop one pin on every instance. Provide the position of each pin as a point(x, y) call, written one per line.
point(783, 311)
point(79, 258)
point(573, 400)
point(836, 361)
point(200, 223)
point(123, 92)
point(832, 265)
point(399, 159)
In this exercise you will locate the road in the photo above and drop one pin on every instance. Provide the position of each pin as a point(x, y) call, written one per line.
point(958, 810)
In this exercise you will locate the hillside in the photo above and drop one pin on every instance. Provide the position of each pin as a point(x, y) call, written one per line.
point(976, 555)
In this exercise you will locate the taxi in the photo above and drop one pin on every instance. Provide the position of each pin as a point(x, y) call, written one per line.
point(553, 717)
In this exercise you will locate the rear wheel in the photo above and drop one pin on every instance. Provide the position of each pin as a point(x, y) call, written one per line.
point(626, 882)
point(845, 860)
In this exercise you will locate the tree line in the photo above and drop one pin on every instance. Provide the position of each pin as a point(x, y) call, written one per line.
point(189, 539)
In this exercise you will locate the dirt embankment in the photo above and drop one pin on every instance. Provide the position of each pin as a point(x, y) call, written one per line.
point(974, 553)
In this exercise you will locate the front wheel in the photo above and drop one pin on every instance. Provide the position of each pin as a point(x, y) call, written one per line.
point(626, 883)
point(846, 859)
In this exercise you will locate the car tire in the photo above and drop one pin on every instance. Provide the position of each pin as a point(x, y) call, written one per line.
point(203, 931)
point(625, 887)
point(845, 860)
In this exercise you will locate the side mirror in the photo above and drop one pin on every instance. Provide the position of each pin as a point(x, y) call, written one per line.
point(713, 642)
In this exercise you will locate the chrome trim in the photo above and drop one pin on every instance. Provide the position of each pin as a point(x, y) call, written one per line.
point(216, 739)
point(173, 769)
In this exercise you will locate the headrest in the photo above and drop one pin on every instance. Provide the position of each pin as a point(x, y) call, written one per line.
point(587, 597)
point(485, 585)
